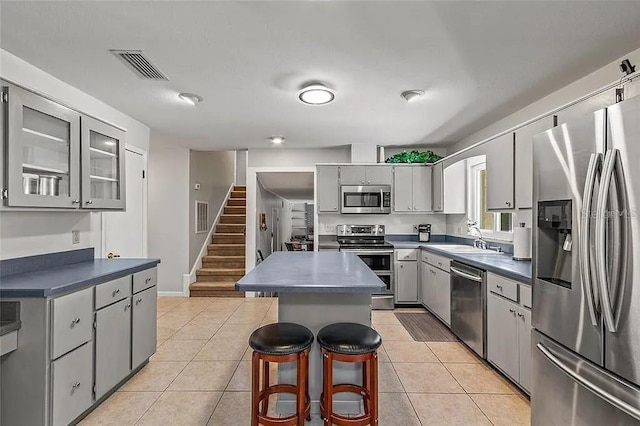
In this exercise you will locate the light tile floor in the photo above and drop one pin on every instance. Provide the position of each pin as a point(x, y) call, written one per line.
point(200, 374)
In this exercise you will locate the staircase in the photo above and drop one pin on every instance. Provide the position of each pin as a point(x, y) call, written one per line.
point(224, 263)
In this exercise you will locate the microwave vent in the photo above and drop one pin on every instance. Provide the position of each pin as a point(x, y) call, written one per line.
point(139, 64)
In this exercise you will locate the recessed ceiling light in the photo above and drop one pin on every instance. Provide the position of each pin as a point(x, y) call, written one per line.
point(190, 98)
point(412, 95)
point(316, 94)
point(277, 139)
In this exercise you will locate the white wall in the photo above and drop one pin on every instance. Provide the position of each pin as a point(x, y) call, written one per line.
point(28, 233)
point(283, 157)
point(395, 223)
point(364, 153)
point(214, 171)
point(265, 202)
point(168, 213)
point(603, 77)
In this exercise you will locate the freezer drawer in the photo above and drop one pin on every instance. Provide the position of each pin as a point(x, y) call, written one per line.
point(569, 390)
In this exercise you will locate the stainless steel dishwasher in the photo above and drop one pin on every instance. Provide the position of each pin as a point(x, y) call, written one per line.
point(468, 306)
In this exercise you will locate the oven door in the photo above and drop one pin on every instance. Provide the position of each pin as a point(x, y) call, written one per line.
point(379, 261)
point(365, 199)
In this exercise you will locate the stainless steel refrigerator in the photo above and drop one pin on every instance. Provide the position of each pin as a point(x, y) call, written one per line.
point(586, 268)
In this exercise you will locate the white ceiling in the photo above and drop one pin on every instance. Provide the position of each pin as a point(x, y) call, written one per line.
point(289, 185)
point(478, 61)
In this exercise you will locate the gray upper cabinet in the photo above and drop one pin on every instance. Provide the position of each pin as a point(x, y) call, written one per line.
point(42, 151)
point(403, 189)
point(103, 173)
point(366, 175)
point(113, 345)
point(144, 326)
point(437, 180)
point(353, 175)
point(500, 180)
point(524, 160)
point(328, 188)
point(412, 189)
point(379, 175)
point(586, 107)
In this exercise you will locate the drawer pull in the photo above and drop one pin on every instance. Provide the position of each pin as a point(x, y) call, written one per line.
point(76, 385)
point(520, 315)
point(147, 280)
point(127, 306)
point(116, 291)
point(499, 287)
point(513, 311)
point(75, 321)
point(138, 301)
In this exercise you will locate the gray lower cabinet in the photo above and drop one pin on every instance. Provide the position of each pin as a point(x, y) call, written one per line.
point(509, 339)
point(144, 326)
point(71, 385)
point(328, 188)
point(113, 345)
point(435, 288)
point(406, 281)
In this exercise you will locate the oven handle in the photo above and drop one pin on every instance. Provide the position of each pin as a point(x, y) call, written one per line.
point(466, 275)
point(366, 251)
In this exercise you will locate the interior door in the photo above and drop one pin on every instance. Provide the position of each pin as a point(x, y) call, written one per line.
point(561, 158)
point(275, 230)
point(124, 233)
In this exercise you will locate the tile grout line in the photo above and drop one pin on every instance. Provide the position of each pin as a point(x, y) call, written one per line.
point(403, 388)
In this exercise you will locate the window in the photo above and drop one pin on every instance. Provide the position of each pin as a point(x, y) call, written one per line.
point(492, 224)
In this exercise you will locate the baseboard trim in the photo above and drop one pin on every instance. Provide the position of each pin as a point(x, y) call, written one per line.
point(171, 294)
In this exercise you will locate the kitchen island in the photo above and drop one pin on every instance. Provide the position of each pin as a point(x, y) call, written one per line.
point(316, 289)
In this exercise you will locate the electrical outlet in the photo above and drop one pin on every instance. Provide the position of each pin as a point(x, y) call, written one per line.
point(459, 229)
point(75, 236)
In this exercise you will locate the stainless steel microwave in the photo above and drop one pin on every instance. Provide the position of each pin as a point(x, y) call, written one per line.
point(365, 199)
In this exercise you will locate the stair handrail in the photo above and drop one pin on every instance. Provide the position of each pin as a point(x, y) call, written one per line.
point(188, 279)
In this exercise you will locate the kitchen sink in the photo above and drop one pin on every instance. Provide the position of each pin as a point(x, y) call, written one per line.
point(460, 248)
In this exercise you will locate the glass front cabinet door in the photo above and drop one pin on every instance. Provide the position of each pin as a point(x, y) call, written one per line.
point(103, 185)
point(42, 151)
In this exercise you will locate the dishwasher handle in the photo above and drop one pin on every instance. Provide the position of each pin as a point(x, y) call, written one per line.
point(466, 275)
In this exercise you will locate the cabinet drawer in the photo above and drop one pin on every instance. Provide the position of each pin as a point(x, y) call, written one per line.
point(436, 260)
point(406, 254)
point(525, 296)
point(71, 385)
point(145, 279)
point(502, 286)
point(113, 291)
point(72, 321)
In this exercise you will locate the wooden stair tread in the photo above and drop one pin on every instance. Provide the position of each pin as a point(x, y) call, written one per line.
point(223, 257)
point(228, 233)
point(221, 271)
point(225, 285)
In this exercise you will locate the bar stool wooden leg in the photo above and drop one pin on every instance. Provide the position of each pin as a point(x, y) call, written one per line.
point(366, 383)
point(265, 385)
point(373, 390)
point(301, 397)
point(255, 388)
point(328, 387)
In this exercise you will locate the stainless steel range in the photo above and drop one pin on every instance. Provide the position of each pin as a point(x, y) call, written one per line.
point(367, 241)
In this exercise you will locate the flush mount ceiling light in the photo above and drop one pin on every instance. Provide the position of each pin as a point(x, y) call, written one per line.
point(412, 95)
point(316, 94)
point(190, 98)
point(277, 139)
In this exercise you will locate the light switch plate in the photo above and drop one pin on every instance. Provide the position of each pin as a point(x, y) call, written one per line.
point(75, 236)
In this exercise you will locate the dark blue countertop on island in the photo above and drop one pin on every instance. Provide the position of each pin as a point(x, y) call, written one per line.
point(501, 264)
point(312, 272)
point(65, 277)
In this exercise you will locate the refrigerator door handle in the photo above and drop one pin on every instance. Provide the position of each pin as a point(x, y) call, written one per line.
point(590, 290)
point(601, 224)
point(611, 399)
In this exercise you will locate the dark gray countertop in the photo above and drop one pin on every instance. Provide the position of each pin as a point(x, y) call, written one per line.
point(501, 264)
point(70, 277)
point(312, 272)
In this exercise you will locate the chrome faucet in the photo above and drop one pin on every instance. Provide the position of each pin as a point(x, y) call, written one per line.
point(474, 229)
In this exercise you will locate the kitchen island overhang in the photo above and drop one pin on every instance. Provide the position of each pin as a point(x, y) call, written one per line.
point(316, 289)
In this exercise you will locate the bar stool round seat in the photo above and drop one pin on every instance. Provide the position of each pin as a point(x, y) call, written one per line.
point(350, 342)
point(280, 342)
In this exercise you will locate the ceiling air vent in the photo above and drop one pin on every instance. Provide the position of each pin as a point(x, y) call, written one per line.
point(139, 63)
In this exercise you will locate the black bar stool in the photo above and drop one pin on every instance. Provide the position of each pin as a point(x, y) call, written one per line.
point(350, 342)
point(280, 342)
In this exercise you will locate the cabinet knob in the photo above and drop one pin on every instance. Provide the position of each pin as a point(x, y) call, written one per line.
point(75, 202)
point(75, 321)
point(368, 182)
point(410, 207)
point(415, 208)
point(147, 280)
point(361, 181)
point(138, 301)
point(508, 203)
point(520, 315)
point(513, 311)
point(402, 266)
point(76, 385)
point(89, 201)
point(499, 287)
point(117, 291)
